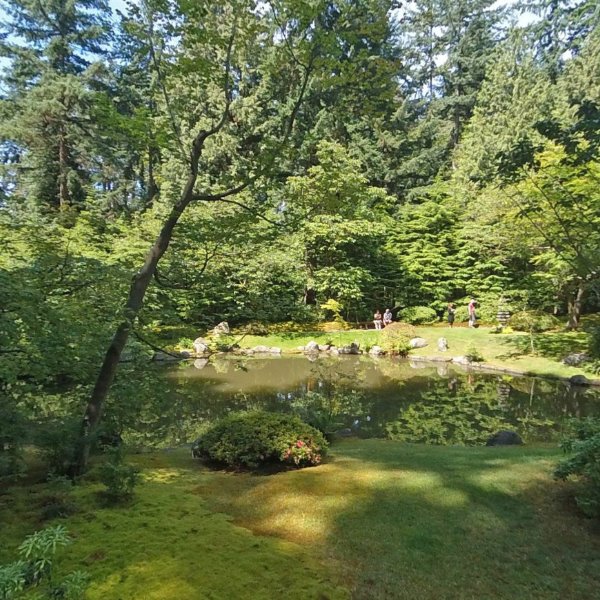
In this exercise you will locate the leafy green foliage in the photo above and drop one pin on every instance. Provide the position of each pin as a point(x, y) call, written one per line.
point(419, 315)
point(474, 355)
point(395, 338)
point(56, 441)
point(258, 438)
point(36, 567)
point(533, 321)
point(584, 464)
point(13, 436)
point(119, 477)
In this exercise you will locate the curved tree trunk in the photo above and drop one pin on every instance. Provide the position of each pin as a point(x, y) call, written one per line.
point(574, 305)
point(135, 300)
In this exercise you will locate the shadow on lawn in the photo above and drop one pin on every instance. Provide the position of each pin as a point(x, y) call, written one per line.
point(429, 522)
point(549, 345)
point(472, 523)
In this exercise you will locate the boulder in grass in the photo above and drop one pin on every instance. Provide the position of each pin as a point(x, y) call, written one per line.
point(505, 438)
point(418, 342)
point(442, 344)
point(375, 351)
point(575, 359)
point(312, 346)
point(324, 347)
point(275, 350)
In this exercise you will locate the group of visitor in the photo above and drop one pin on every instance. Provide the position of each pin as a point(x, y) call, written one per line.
point(472, 313)
point(383, 320)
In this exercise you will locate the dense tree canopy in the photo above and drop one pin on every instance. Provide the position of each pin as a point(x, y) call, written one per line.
point(276, 155)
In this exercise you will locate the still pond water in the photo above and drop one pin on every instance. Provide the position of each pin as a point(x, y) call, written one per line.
point(412, 401)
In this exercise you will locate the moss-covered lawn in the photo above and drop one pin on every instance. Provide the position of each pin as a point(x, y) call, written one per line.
point(510, 351)
point(379, 520)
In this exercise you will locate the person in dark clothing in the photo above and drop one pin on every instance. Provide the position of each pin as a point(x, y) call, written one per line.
point(451, 314)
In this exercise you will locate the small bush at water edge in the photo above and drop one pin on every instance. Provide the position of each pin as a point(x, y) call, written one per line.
point(395, 338)
point(252, 439)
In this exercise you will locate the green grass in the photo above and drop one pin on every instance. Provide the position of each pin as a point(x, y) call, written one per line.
point(510, 351)
point(409, 521)
point(167, 544)
point(379, 520)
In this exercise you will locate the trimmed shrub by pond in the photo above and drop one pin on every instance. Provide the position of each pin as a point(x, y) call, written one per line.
point(395, 338)
point(260, 438)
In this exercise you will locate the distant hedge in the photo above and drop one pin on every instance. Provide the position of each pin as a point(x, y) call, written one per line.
point(419, 315)
point(536, 321)
point(258, 438)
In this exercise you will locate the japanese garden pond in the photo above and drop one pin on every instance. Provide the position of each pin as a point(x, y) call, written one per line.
point(406, 400)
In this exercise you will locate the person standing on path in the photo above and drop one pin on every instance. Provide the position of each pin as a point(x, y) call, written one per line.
point(377, 319)
point(472, 314)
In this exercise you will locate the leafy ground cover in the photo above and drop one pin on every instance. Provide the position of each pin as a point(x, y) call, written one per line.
point(167, 543)
point(511, 351)
point(379, 519)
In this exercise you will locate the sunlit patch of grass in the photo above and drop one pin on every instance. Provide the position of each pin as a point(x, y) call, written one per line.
point(408, 521)
point(167, 544)
point(385, 519)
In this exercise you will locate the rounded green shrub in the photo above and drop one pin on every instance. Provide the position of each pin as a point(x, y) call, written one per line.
point(532, 320)
point(419, 315)
point(258, 438)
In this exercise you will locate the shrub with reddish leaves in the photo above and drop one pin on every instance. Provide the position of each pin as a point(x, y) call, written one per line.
point(302, 454)
point(257, 438)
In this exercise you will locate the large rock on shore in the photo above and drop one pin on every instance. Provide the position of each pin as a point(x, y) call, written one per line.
point(312, 346)
point(418, 342)
point(201, 346)
point(575, 359)
point(221, 329)
point(352, 348)
point(579, 380)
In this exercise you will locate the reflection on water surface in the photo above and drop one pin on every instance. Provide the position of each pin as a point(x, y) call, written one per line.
point(412, 401)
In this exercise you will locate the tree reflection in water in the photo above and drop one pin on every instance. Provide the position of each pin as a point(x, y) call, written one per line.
point(434, 403)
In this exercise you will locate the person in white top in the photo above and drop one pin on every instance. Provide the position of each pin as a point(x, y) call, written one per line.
point(387, 317)
point(472, 313)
